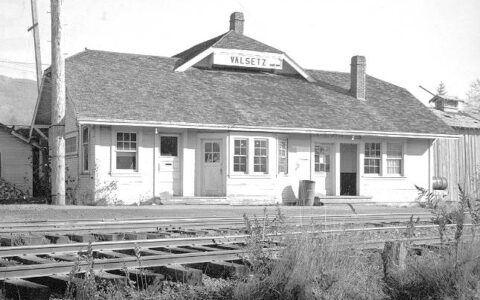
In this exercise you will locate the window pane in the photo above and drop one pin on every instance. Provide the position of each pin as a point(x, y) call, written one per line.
point(394, 166)
point(127, 160)
point(208, 147)
point(394, 150)
point(71, 145)
point(133, 137)
point(168, 146)
point(85, 135)
point(216, 147)
point(283, 156)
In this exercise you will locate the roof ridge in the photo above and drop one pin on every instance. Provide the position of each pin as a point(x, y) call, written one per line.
point(222, 37)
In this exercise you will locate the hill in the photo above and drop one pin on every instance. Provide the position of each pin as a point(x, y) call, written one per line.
point(17, 100)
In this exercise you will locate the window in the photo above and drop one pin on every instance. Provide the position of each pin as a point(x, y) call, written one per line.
point(126, 151)
point(283, 155)
point(394, 158)
point(169, 146)
point(71, 145)
point(373, 158)
point(85, 148)
point(322, 158)
point(260, 158)
point(240, 155)
point(212, 152)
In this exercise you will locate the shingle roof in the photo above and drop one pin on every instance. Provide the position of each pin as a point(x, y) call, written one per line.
point(458, 119)
point(229, 40)
point(116, 86)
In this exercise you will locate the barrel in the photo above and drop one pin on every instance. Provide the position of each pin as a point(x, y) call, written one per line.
point(306, 192)
point(439, 183)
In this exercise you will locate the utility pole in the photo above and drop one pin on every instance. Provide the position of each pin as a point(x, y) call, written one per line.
point(36, 43)
point(57, 129)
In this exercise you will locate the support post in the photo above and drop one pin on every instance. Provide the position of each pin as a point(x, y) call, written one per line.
point(57, 130)
point(36, 43)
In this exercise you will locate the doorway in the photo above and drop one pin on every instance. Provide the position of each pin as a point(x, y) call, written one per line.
point(169, 165)
point(348, 169)
point(212, 168)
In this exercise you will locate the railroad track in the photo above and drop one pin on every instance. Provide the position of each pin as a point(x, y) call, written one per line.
point(46, 267)
point(148, 225)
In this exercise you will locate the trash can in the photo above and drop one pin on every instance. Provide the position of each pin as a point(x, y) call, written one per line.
point(306, 192)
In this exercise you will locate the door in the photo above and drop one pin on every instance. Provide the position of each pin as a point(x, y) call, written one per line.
point(323, 170)
point(348, 169)
point(212, 159)
point(169, 166)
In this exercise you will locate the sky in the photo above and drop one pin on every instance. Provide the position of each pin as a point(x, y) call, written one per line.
point(406, 42)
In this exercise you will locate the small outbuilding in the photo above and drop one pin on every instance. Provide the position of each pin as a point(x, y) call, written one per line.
point(16, 165)
point(233, 120)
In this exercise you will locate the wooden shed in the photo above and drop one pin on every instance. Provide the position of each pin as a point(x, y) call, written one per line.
point(458, 160)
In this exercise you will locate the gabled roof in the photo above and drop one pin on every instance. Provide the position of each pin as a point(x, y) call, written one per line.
point(229, 40)
point(113, 88)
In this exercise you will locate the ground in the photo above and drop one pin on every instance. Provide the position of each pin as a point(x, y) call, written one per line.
point(48, 212)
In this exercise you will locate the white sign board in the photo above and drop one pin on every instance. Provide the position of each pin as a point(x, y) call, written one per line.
point(248, 59)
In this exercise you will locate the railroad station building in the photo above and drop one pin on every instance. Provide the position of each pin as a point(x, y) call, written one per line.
point(233, 120)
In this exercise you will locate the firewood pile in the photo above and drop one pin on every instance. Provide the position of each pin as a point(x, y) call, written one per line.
point(8, 191)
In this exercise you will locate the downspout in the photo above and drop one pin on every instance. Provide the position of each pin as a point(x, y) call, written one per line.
point(155, 132)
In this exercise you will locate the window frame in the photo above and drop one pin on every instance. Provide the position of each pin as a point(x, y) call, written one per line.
point(316, 159)
point(246, 155)
point(282, 159)
point(85, 146)
point(378, 158)
point(116, 150)
point(75, 144)
point(391, 157)
point(266, 155)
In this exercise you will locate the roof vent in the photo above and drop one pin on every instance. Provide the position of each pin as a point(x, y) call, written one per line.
point(236, 22)
point(358, 84)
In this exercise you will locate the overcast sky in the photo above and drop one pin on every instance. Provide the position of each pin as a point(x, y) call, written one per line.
point(406, 42)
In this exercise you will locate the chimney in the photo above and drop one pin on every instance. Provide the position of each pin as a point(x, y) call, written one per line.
point(236, 22)
point(358, 77)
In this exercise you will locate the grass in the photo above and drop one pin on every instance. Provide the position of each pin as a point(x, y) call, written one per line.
point(315, 266)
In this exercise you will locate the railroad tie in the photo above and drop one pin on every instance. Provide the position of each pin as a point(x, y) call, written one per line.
point(220, 269)
point(176, 272)
point(16, 288)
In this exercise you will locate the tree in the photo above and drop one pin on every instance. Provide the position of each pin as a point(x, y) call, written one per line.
point(441, 90)
point(473, 95)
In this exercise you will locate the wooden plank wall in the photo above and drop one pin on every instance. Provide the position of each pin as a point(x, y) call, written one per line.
point(459, 161)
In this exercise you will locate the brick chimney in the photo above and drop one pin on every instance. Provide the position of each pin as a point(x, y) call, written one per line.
point(358, 77)
point(236, 22)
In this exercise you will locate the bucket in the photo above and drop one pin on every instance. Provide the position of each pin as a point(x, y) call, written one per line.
point(306, 192)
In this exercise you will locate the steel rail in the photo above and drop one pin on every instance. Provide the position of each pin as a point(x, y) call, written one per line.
point(181, 242)
point(37, 270)
point(200, 219)
point(216, 217)
point(146, 225)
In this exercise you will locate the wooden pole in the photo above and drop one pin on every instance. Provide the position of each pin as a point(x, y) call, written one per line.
point(57, 130)
point(36, 43)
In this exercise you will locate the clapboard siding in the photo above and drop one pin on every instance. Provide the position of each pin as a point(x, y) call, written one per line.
point(459, 161)
point(16, 157)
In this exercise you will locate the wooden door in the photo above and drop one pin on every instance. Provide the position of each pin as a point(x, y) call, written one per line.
point(169, 165)
point(212, 160)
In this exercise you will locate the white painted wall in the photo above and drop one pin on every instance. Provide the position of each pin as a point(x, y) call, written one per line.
point(142, 184)
point(16, 158)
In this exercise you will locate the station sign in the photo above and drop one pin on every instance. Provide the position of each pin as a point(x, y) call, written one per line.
point(248, 59)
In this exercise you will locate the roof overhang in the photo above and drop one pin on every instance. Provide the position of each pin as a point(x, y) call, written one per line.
point(234, 127)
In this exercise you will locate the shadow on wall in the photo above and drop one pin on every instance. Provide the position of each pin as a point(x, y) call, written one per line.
point(288, 196)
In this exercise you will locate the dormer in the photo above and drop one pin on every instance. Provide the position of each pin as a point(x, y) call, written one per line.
point(447, 103)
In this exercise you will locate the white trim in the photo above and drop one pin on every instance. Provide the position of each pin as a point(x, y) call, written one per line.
point(194, 60)
point(297, 68)
point(264, 129)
